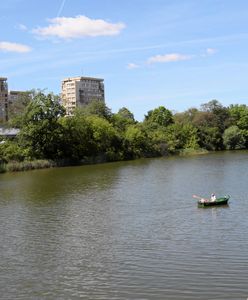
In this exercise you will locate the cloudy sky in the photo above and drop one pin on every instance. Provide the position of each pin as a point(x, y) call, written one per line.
point(175, 53)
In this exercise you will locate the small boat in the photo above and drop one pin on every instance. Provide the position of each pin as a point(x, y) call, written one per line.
point(219, 201)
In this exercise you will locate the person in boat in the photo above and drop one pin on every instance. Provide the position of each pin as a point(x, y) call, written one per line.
point(213, 198)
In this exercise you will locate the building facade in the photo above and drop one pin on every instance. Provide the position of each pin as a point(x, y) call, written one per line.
point(14, 96)
point(3, 99)
point(79, 91)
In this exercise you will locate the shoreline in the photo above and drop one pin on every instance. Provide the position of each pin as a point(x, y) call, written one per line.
point(47, 164)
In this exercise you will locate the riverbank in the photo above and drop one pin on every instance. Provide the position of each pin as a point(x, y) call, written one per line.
point(15, 166)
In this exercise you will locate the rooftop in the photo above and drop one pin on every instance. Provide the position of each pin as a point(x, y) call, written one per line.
point(9, 131)
point(79, 78)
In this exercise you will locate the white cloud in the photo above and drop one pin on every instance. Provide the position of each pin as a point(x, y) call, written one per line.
point(77, 27)
point(14, 47)
point(211, 51)
point(131, 66)
point(173, 57)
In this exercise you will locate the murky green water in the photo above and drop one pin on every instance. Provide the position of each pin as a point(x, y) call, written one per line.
point(126, 231)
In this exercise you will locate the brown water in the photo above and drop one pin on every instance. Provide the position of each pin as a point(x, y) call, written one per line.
point(126, 231)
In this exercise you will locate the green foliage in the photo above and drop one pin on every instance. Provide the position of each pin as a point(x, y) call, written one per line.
point(41, 132)
point(126, 114)
point(210, 138)
point(11, 151)
point(233, 138)
point(104, 134)
point(239, 116)
point(136, 141)
point(94, 134)
point(160, 116)
point(220, 114)
point(77, 141)
point(186, 117)
point(123, 119)
point(95, 107)
point(181, 137)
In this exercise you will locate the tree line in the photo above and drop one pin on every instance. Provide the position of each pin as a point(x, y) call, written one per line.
point(94, 133)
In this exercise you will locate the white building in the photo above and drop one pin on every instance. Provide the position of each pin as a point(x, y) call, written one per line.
point(78, 91)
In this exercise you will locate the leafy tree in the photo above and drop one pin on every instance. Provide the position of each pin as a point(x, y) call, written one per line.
point(210, 138)
point(126, 114)
point(77, 141)
point(11, 151)
point(220, 114)
point(203, 119)
point(160, 116)
point(186, 117)
point(95, 107)
point(239, 115)
point(41, 132)
point(233, 138)
point(122, 119)
point(136, 141)
point(181, 137)
point(105, 137)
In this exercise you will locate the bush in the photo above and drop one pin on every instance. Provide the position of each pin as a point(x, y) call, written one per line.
point(29, 165)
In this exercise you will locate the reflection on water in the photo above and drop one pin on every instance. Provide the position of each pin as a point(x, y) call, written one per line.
point(126, 231)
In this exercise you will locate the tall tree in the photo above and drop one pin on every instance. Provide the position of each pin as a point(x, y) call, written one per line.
point(41, 132)
point(160, 116)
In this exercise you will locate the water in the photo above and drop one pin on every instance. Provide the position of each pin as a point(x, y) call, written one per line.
point(126, 231)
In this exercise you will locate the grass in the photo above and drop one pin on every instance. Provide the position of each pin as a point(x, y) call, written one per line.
point(29, 165)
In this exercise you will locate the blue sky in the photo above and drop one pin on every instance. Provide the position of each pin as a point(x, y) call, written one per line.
point(175, 53)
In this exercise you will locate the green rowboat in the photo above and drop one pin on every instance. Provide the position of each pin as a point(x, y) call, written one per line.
point(218, 201)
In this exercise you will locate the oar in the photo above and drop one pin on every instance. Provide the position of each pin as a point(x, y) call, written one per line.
point(198, 197)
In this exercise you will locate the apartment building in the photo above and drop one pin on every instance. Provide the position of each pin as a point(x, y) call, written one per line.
point(14, 96)
point(3, 99)
point(79, 91)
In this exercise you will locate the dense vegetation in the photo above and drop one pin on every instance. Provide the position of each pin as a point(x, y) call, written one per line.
point(94, 133)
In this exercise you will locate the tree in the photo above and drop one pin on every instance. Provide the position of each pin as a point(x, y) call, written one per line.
point(186, 117)
point(181, 136)
point(136, 141)
point(97, 108)
point(41, 132)
point(105, 137)
point(210, 138)
point(160, 116)
point(239, 115)
point(233, 138)
point(220, 114)
point(123, 119)
point(77, 141)
point(126, 114)
point(11, 151)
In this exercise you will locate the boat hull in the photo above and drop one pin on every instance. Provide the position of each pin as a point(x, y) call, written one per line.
point(217, 202)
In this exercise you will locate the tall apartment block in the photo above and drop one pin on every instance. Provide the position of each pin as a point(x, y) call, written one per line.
point(3, 99)
point(79, 91)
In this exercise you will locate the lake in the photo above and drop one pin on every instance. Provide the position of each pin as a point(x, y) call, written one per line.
point(126, 230)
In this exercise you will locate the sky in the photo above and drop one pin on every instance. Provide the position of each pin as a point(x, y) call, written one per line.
point(173, 53)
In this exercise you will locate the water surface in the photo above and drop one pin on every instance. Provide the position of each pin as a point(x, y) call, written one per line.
point(127, 230)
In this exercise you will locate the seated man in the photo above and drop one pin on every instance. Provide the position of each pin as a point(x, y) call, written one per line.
point(213, 198)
